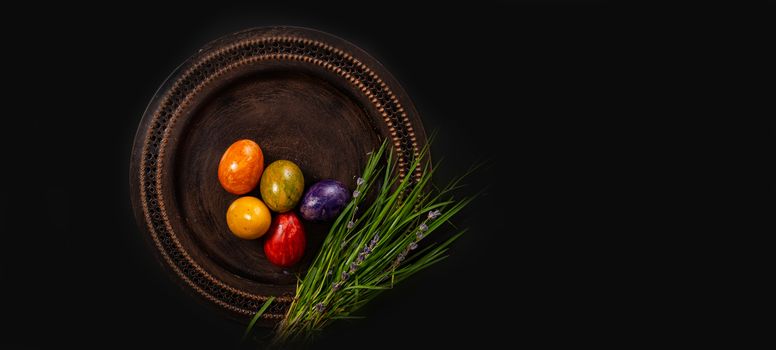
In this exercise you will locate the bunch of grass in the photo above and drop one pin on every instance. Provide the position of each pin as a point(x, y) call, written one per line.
point(369, 250)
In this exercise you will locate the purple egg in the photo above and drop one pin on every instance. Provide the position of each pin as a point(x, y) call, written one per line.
point(324, 200)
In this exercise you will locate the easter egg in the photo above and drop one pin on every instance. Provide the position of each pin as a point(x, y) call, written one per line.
point(281, 185)
point(241, 166)
point(285, 242)
point(324, 200)
point(248, 217)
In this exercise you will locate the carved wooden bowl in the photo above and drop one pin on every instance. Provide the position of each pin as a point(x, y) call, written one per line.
point(302, 95)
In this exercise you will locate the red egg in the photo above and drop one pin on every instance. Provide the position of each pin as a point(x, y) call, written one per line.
point(285, 242)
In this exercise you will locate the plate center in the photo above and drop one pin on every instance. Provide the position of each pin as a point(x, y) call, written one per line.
point(291, 115)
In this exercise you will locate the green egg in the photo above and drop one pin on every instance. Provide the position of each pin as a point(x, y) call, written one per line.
point(281, 186)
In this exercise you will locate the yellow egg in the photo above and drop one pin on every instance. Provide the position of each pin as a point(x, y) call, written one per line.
point(248, 217)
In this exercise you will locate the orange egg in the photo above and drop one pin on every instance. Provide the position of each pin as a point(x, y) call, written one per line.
point(248, 217)
point(241, 167)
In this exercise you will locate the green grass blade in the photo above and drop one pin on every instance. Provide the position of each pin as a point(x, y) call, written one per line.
point(256, 317)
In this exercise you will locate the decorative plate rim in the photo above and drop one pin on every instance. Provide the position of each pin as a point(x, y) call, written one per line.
point(293, 44)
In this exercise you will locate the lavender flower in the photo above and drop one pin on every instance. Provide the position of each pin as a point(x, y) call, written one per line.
point(434, 214)
point(356, 193)
point(361, 256)
point(319, 307)
point(359, 181)
point(351, 224)
point(336, 286)
point(412, 246)
point(367, 249)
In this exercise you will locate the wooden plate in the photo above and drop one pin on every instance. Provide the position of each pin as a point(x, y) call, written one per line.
point(302, 95)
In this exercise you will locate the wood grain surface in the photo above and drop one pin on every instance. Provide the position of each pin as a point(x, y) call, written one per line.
point(307, 110)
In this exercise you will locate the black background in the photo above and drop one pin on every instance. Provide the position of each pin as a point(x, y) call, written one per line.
point(536, 88)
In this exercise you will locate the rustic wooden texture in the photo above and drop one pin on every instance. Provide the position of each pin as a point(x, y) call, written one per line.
point(291, 116)
point(295, 110)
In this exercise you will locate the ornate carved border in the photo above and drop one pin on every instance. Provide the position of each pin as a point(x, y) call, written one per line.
point(192, 81)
